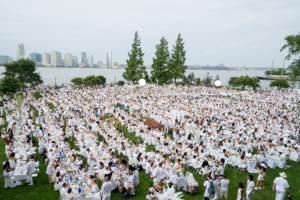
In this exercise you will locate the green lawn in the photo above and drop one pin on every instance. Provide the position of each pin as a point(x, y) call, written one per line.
point(45, 190)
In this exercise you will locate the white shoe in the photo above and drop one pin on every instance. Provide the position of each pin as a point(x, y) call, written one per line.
point(30, 184)
point(255, 188)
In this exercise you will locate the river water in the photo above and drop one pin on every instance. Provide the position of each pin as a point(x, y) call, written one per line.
point(64, 75)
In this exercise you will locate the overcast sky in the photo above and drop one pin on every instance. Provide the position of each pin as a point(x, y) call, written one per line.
point(234, 32)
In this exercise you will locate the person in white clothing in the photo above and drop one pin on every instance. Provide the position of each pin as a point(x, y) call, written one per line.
point(156, 175)
point(106, 189)
point(281, 185)
point(250, 187)
point(30, 170)
point(206, 184)
point(224, 187)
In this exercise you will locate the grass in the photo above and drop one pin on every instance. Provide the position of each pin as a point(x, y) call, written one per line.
point(44, 190)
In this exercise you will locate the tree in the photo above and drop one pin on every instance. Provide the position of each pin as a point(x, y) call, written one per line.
point(147, 79)
point(10, 84)
point(242, 81)
point(276, 72)
point(293, 46)
point(76, 81)
point(176, 65)
point(102, 78)
point(207, 80)
point(25, 70)
point(231, 80)
point(160, 62)
point(217, 78)
point(121, 83)
point(190, 78)
point(280, 83)
point(198, 81)
point(135, 69)
point(254, 83)
point(92, 80)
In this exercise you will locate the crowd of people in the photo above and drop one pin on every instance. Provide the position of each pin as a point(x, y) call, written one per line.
point(202, 128)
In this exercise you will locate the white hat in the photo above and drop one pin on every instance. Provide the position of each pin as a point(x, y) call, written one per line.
point(263, 165)
point(283, 175)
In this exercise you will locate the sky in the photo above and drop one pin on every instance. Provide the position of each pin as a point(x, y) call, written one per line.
point(237, 33)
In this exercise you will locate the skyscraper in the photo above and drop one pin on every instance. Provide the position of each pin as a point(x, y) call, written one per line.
point(36, 57)
point(68, 60)
point(46, 59)
point(56, 59)
point(20, 51)
point(5, 59)
point(109, 59)
point(74, 61)
point(83, 56)
point(91, 61)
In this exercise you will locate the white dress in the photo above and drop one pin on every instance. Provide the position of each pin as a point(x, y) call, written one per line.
point(8, 180)
point(12, 163)
point(240, 194)
point(50, 169)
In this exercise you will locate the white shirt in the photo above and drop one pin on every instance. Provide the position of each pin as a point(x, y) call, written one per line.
point(224, 184)
point(156, 173)
point(106, 188)
point(281, 184)
point(250, 186)
point(31, 166)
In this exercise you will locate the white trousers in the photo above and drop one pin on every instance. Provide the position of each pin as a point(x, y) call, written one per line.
point(280, 195)
point(29, 178)
point(106, 196)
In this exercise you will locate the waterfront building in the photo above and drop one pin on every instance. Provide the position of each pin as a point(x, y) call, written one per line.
point(68, 60)
point(5, 59)
point(115, 65)
point(20, 51)
point(83, 56)
point(91, 61)
point(109, 59)
point(74, 61)
point(56, 59)
point(36, 57)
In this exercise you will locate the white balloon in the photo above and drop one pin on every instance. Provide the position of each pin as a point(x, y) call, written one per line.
point(217, 83)
point(142, 82)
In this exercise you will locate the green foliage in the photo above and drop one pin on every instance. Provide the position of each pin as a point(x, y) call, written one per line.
point(293, 46)
point(102, 78)
point(198, 81)
point(207, 80)
point(76, 81)
point(121, 83)
point(153, 80)
point(276, 72)
point(160, 62)
point(135, 70)
point(25, 70)
point(92, 80)
point(10, 84)
point(147, 79)
point(177, 60)
point(231, 80)
point(217, 78)
point(244, 81)
point(280, 83)
point(190, 78)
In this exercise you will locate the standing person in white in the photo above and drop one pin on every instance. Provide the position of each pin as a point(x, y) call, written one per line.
point(250, 187)
point(241, 191)
point(207, 184)
point(106, 189)
point(156, 175)
point(224, 187)
point(281, 185)
point(30, 170)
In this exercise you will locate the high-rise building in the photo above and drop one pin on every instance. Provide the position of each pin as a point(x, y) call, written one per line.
point(68, 60)
point(86, 61)
point(5, 59)
point(20, 51)
point(46, 59)
point(56, 59)
point(100, 64)
point(83, 56)
point(74, 61)
point(115, 65)
point(36, 57)
point(91, 61)
point(109, 59)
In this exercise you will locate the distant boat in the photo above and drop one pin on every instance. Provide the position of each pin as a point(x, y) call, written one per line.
point(272, 77)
